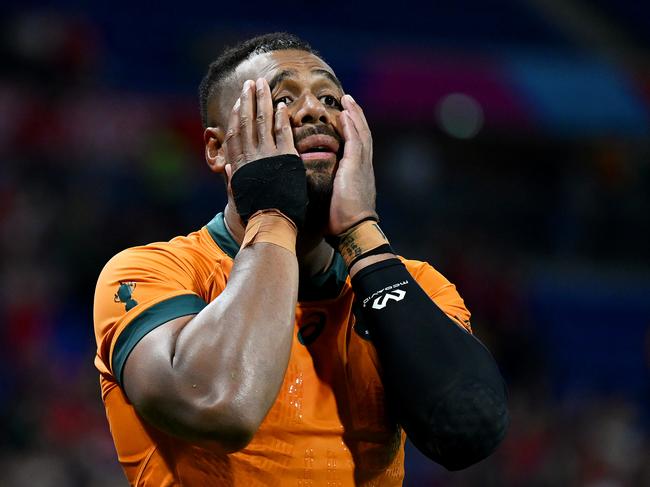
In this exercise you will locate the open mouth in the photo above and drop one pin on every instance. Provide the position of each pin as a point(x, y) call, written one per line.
point(318, 146)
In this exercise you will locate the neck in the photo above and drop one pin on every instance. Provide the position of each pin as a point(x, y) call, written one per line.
point(314, 254)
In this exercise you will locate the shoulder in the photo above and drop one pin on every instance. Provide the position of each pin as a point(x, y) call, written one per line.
point(143, 287)
point(423, 271)
point(192, 255)
point(442, 291)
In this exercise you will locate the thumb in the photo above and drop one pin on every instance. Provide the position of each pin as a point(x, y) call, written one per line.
point(353, 147)
point(228, 169)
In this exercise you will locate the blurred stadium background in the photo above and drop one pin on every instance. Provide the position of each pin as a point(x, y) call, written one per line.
point(512, 152)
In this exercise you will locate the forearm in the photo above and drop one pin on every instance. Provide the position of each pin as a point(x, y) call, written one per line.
point(233, 355)
point(367, 261)
point(442, 382)
point(215, 375)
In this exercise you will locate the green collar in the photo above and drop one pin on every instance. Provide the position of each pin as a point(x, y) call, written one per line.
point(326, 285)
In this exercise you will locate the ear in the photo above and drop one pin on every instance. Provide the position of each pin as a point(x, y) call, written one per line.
point(213, 138)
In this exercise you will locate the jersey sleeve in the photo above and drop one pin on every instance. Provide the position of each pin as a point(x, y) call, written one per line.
point(441, 291)
point(138, 290)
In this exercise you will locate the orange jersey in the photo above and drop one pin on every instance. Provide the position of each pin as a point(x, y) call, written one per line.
point(328, 425)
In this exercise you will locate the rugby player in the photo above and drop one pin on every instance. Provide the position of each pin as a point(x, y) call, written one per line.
point(285, 342)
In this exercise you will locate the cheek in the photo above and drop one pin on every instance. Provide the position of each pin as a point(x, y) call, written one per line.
point(335, 117)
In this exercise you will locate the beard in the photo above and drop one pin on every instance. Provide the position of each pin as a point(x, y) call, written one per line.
point(320, 183)
point(320, 180)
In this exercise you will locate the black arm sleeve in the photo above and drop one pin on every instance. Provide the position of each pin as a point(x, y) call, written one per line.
point(441, 381)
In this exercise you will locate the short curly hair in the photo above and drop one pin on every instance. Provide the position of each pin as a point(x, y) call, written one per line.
point(235, 55)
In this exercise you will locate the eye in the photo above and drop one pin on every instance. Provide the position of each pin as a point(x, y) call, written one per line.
point(286, 99)
point(330, 101)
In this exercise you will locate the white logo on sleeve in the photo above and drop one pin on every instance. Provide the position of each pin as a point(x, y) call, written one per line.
point(381, 301)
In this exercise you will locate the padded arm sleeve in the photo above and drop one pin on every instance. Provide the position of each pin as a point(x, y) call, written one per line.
point(440, 380)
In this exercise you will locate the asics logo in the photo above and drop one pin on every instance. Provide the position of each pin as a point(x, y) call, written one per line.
point(381, 301)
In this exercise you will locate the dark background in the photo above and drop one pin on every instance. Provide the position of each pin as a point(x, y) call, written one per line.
point(511, 149)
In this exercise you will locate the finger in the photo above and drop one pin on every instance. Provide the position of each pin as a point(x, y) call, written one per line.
point(264, 119)
point(283, 132)
point(246, 121)
point(232, 139)
point(361, 124)
point(229, 170)
point(359, 118)
point(353, 147)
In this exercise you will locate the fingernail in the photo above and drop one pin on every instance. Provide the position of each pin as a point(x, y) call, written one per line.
point(247, 85)
point(237, 103)
point(351, 99)
point(282, 105)
point(258, 84)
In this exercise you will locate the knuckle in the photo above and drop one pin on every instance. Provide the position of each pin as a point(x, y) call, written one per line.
point(244, 121)
point(260, 119)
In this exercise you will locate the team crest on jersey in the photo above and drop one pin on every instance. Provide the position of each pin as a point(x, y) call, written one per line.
point(313, 326)
point(124, 295)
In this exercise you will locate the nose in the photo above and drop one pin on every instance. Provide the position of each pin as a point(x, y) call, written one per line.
point(309, 110)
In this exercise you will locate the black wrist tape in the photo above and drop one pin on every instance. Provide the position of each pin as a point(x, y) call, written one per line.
point(440, 381)
point(382, 249)
point(277, 182)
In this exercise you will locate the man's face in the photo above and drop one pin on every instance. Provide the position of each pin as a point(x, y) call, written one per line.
point(312, 93)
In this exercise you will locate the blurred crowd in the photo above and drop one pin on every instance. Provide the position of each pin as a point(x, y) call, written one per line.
point(547, 239)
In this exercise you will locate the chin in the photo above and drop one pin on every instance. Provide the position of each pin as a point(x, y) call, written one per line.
point(325, 165)
point(319, 191)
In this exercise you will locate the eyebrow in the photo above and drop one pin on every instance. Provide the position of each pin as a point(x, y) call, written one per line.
point(329, 76)
point(280, 77)
point(288, 73)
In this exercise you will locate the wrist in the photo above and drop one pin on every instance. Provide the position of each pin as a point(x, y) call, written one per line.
point(368, 261)
point(362, 244)
point(275, 182)
point(271, 226)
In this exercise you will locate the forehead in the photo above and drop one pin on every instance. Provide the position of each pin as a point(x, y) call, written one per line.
point(268, 64)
